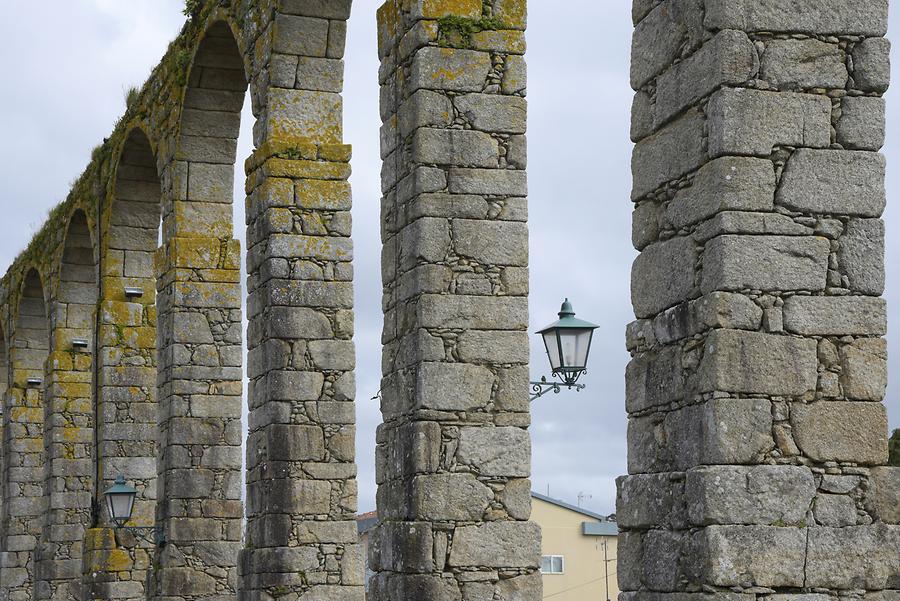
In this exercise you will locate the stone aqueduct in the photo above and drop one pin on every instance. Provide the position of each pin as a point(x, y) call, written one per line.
point(757, 437)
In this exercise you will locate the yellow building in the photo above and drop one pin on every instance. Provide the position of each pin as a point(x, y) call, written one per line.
point(578, 548)
point(579, 551)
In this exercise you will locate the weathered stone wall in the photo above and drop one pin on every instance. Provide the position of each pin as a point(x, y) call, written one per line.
point(68, 419)
point(301, 478)
point(127, 360)
point(757, 435)
point(756, 430)
point(454, 454)
point(24, 500)
point(155, 394)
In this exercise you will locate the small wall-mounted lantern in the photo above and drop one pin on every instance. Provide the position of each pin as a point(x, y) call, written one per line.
point(133, 292)
point(34, 382)
point(120, 505)
point(80, 344)
point(568, 342)
point(120, 501)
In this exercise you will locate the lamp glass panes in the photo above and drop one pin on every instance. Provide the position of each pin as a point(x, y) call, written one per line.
point(568, 343)
point(120, 501)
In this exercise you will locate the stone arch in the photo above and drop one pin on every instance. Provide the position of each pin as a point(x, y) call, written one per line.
point(299, 276)
point(32, 332)
point(4, 367)
point(127, 365)
point(69, 417)
point(172, 156)
point(207, 144)
point(4, 387)
point(201, 378)
point(23, 430)
point(455, 408)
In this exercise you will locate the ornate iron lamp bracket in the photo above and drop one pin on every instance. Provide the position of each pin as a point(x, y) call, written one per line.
point(542, 387)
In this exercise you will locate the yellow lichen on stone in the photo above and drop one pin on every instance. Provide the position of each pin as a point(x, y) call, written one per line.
point(435, 9)
point(110, 560)
point(26, 415)
point(304, 148)
point(82, 405)
point(20, 377)
point(509, 41)
point(513, 13)
point(31, 445)
point(230, 276)
point(111, 335)
point(230, 255)
point(96, 539)
point(121, 313)
point(72, 376)
point(203, 294)
point(337, 153)
point(74, 390)
point(389, 19)
point(445, 74)
point(304, 115)
point(192, 253)
point(275, 167)
point(113, 262)
point(73, 434)
point(280, 220)
point(323, 194)
point(139, 338)
point(61, 360)
point(115, 290)
point(83, 362)
point(202, 219)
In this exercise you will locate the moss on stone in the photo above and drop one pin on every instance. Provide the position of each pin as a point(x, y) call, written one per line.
point(192, 8)
point(457, 32)
point(132, 96)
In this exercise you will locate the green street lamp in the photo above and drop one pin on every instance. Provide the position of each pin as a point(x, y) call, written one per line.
point(120, 505)
point(568, 343)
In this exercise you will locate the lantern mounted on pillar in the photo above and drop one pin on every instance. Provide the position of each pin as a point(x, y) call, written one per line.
point(120, 505)
point(568, 343)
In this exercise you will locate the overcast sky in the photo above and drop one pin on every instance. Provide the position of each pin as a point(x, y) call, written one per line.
point(68, 63)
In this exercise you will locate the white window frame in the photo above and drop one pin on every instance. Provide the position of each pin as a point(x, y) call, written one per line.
point(562, 562)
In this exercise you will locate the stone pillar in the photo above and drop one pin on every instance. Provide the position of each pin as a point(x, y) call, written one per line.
point(454, 453)
point(199, 483)
point(23, 443)
point(5, 372)
point(301, 473)
point(199, 332)
point(126, 372)
point(4, 390)
point(199, 506)
point(69, 445)
point(756, 429)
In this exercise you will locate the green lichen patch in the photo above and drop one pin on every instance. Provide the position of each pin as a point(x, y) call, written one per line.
point(457, 32)
point(192, 8)
point(132, 95)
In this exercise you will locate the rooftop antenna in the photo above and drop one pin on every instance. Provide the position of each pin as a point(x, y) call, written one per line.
point(583, 497)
